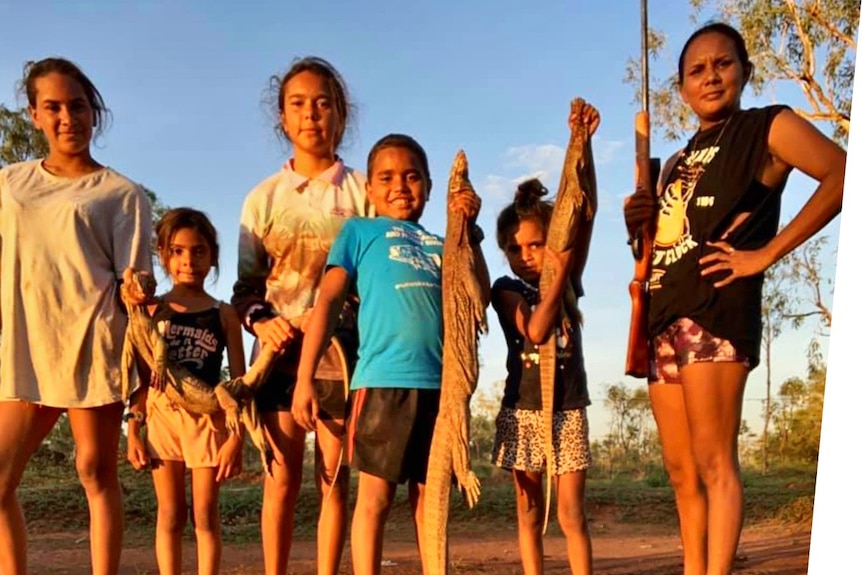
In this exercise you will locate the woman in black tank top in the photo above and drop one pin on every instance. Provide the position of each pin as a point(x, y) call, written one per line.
point(716, 234)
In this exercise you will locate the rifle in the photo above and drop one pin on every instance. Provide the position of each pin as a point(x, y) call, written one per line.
point(646, 177)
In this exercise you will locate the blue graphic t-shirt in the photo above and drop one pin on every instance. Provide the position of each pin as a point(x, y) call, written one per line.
point(395, 267)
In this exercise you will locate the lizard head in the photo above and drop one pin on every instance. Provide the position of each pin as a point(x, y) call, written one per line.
point(144, 282)
point(137, 285)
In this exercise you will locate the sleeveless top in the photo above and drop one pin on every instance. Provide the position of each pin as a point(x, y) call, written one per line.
point(196, 341)
point(712, 182)
point(523, 382)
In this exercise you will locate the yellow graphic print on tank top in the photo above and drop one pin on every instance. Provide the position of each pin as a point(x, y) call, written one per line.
point(673, 232)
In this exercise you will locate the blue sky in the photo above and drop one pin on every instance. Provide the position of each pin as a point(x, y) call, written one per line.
point(185, 80)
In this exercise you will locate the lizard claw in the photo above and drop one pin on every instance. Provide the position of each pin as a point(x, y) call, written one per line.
point(225, 400)
point(232, 421)
point(230, 407)
point(466, 477)
point(470, 489)
point(157, 380)
point(481, 319)
point(267, 456)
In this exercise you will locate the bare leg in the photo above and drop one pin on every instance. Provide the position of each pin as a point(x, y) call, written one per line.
point(669, 411)
point(281, 490)
point(373, 502)
point(332, 525)
point(713, 401)
point(24, 427)
point(170, 487)
point(207, 522)
point(416, 495)
point(572, 515)
point(97, 438)
point(530, 504)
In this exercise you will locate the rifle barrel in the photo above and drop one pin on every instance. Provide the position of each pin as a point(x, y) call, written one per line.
point(644, 58)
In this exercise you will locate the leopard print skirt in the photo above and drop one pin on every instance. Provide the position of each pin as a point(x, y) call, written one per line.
point(519, 441)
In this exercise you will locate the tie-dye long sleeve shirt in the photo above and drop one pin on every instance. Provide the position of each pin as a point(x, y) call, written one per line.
point(287, 226)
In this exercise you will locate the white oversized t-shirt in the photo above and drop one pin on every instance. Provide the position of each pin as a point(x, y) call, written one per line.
point(65, 243)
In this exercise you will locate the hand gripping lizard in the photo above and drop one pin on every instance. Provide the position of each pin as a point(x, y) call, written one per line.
point(574, 208)
point(234, 397)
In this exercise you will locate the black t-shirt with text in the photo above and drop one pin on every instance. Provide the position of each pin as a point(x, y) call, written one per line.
point(196, 341)
point(523, 383)
point(710, 185)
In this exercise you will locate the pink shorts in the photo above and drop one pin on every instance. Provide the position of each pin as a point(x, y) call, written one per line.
point(685, 342)
point(174, 434)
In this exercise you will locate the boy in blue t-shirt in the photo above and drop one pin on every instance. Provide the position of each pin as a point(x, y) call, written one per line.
point(393, 263)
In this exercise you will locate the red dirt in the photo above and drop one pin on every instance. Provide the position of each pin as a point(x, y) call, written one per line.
point(618, 550)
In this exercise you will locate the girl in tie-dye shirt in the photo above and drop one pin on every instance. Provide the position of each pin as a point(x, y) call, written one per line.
point(288, 224)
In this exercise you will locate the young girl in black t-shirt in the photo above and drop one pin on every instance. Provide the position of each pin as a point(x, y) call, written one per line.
point(528, 322)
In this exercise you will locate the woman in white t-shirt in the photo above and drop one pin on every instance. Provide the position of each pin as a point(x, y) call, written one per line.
point(68, 227)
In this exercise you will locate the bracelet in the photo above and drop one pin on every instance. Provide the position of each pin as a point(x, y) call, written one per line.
point(259, 313)
point(476, 235)
point(137, 416)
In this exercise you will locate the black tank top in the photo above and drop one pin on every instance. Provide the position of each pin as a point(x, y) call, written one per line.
point(523, 382)
point(197, 342)
point(712, 183)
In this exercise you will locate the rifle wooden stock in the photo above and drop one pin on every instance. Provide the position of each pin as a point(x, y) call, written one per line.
point(646, 176)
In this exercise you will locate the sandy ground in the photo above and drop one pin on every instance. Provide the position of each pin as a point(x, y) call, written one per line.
point(618, 550)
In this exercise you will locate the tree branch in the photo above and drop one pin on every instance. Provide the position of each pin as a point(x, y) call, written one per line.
point(842, 119)
point(810, 67)
point(814, 94)
point(804, 39)
point(817, 16)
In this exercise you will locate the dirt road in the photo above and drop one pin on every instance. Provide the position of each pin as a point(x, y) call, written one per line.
point(618, 550)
